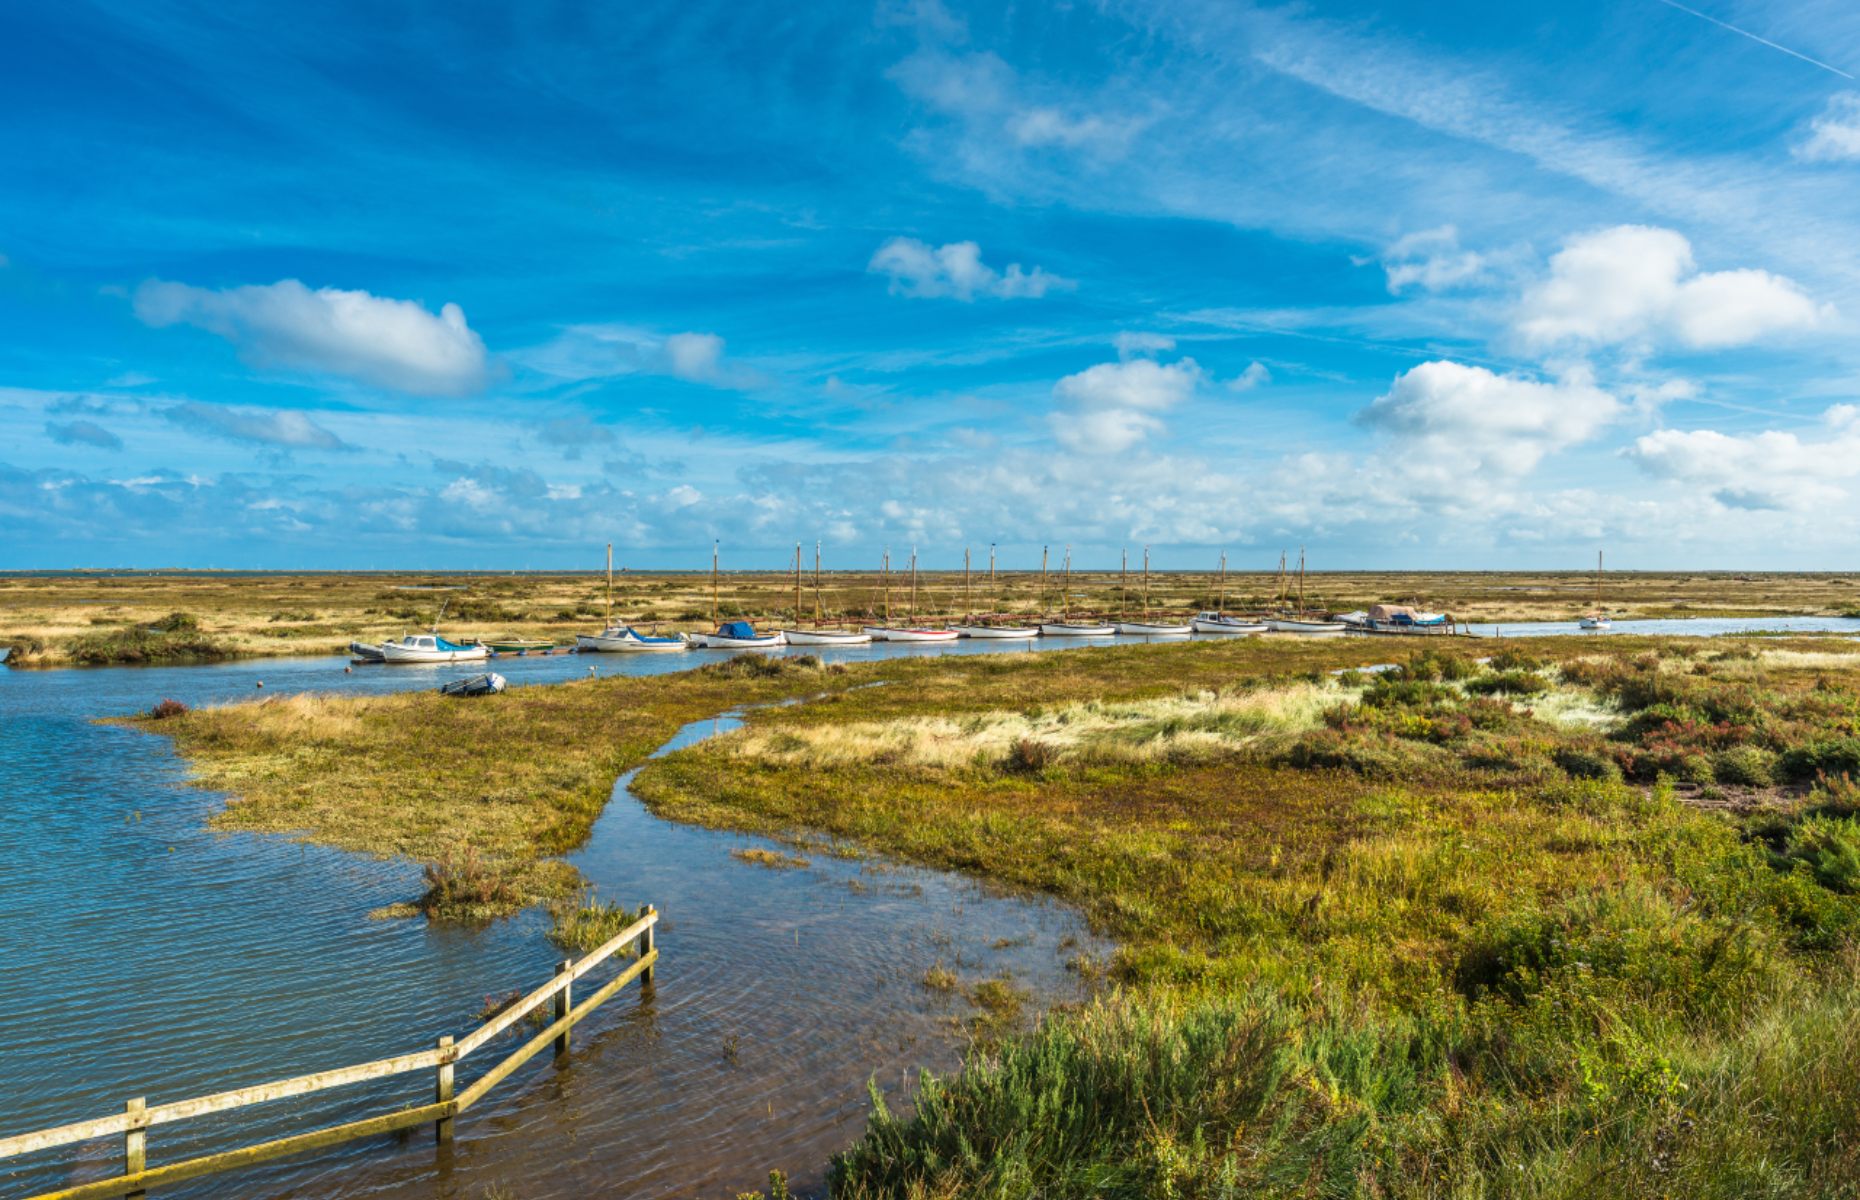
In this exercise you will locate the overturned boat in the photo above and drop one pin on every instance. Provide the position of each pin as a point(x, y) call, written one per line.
point(488, 684)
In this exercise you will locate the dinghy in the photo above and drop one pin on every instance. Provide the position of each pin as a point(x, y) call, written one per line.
point(520, 645)
point(477, 685)
point(1154, 629)
point(1303, 625)
point(365, 652)
point(626, 639)
point(816, 635)
point(738, 635)
point(1002, 632)
point(1222, 623)
point(430, 648)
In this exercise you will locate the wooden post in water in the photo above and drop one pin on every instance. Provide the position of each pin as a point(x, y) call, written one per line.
point(136, 1143)
point(645, 948)
point(562, 1005)
point(442, 1090)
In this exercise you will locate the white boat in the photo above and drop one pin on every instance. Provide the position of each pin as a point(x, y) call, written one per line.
point(1221, 623)
point(430, 648)
point(737, 635)
point(1153, 629)
point(1000, 632)
point(477, 685)
point(826, 637)
point(1075, 629)
point(1303, 625)
point(1599, 621)
point(365, 652)
point(6, 652)
point(892, 633)
point(624, 639)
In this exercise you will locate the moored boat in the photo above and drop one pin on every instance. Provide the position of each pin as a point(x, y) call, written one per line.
point(621, 639)
point(365, 652)
point(1597, 619)
point(894, 633)
point(1154, 629)
point(519, 645)
point(1304, 625)
point(737, 635)
point(1001, 632)
point(430, 648)
point(826, 637)
point(1076, 629)
point(1223, 623)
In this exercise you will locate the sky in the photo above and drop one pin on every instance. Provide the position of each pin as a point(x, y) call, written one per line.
point(462, 285)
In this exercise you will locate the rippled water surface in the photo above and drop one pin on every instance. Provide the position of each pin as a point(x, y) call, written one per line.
point(143, 955)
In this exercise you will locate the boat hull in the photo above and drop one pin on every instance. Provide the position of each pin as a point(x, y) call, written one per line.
point(600, 643)
point(393, 653)
point(715, 641)
point(1227, 628)
point(998, 632)
point(826, 637)
point(1284, 625)
point(880, 633)
point(477, 685)
point(366, 652)
point(1153, 629)
point(1068, 629)
point(1595, 623)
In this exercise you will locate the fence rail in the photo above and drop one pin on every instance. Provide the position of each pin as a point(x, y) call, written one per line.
point(138, 1117)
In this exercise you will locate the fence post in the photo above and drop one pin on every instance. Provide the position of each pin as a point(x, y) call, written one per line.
point(442, 1090)
point(562, 1005)
point(645, 948)
point(136, 1144)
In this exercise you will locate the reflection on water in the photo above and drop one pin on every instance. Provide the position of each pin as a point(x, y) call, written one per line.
point(171, 961)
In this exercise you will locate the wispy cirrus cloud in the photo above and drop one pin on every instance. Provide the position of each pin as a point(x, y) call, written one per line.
point(380, 340)
point(82, 433)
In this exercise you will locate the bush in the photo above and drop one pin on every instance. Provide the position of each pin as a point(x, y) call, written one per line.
point(463, 885)
point(1508, 683)
point(1031, 756)
point(1744, 766)
point(1433, 666)
point(1830, 847)
point(1836, 756)
point(166, 709)
point(1516, 658)
point(177, 622)
point(1582, 762)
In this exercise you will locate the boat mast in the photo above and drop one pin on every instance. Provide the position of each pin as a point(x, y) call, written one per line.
point(887, 578)
point(1301, 581)
point(816, 584)
point(1042, 576)
point(1123, 586)
point(797, 585)
point(994, 595)
point(610, 586)
point(713, 582)
point(1220, 605)
point(913, 585)
point(1598, 581)
point(1281, 581)
point(1146, 583)
point(968, 600)
point(1065, 597)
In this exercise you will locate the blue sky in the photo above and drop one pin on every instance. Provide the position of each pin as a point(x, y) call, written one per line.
point(1443, 285)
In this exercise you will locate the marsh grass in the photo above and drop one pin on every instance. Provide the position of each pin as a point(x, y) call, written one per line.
point(773, 859)
point(587, 922)
point(1476, 973)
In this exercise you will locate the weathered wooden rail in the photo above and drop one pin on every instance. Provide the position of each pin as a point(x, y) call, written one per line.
point(138, 1117)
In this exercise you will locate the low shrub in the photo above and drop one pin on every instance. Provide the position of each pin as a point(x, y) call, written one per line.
point(1834, 756)
point(166, 709)
point(1031, 756)
point(1508, 683)
point(1744, 766)
point(463, 885)
point(1586, 762)
point(176, 622)
point(589, 922)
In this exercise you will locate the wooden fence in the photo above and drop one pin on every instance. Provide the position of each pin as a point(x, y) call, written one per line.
point(137, 1117)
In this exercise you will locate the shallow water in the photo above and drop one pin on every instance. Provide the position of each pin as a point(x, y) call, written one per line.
point(1677, 626)
point(143, 955)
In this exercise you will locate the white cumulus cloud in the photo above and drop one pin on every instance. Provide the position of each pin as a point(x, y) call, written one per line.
point(1450, 412)
point(282, 428)
point(956, 271)
point(1635, 284)
point(1432, 260)
point(1834, 135)
point(1112, 407)
point(376, 339)
point(1769, 470)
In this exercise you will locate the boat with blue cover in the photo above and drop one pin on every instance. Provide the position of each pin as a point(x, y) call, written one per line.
point(738, 635)
point(430, 648)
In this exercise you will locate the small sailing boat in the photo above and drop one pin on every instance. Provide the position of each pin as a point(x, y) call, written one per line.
point(615, 639)
point(911, 630)
point(1147, 627)
point(987, 628)
point(1304, 620)
point(1065, 626)
point(1220, 621)
point(1597, 619)
point(817, 636)
point(732, 635)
